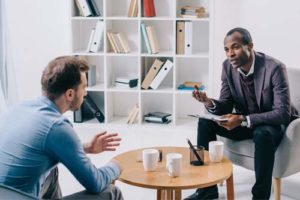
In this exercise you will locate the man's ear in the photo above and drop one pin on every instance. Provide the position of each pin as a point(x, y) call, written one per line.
point(69, 95)
point(250, 46)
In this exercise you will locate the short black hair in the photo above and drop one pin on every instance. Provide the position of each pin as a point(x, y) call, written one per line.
point(246, 37)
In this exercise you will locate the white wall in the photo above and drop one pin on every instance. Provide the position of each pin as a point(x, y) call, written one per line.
point(38, 32)
point(273, 24)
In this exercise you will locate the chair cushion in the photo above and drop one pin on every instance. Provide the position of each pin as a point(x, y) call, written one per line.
point(243, 148)
point(293, 76)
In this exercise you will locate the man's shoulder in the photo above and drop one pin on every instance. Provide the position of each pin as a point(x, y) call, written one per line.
point(268, 60)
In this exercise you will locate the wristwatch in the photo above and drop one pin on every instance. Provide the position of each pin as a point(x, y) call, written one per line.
point(244, 122)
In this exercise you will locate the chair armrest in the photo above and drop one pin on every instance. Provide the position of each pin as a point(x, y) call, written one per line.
point(287, 160)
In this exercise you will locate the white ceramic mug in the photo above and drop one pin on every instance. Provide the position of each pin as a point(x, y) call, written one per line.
point(215, 149)
point(150, 159)
point(174, 164)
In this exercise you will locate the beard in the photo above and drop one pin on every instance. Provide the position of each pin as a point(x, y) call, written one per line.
point(75, 104)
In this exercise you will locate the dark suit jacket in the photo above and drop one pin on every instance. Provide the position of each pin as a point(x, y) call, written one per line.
point(271, 91)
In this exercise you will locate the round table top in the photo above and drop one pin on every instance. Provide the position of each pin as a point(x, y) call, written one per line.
point(191, 176)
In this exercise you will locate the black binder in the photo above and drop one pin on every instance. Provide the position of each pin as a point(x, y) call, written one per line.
point(94, 108)
point(83, 113)
point(88, 110)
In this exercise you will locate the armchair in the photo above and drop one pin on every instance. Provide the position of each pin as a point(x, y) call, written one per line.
point(287, 155)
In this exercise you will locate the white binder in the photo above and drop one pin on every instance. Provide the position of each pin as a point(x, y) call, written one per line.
point(98, 37)
point(188, 37)
point(84, 8)
point(90, 40)
point(161, 74)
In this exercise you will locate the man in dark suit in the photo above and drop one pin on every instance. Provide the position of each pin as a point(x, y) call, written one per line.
point(255, 89)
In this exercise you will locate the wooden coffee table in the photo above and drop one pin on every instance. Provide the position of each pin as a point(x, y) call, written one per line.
point(168, 187)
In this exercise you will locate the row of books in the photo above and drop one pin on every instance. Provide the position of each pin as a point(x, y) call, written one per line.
point(150, 39)
point(133, 8)
point(184, 37)
point(87, 8)
point(158, 117)
point(193, 12)
point(118, 42)
point(88, 110)
point(157, 73)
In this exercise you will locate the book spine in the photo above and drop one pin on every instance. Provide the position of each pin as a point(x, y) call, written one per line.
point(145, 36)
point(151, 33)
point(98, 37)
point(88, 49)
point(188, 37)
point(180, 37)
point(149, 8)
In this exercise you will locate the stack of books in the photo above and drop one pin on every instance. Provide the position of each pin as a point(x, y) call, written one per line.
point(190, 85)
point(156, 74)
point(150, 39)
point(158, 117)
point(127, 82)
point(118, 42)
point(87, 8)
point(193, 12)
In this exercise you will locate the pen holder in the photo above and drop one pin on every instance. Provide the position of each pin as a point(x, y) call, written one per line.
point(193, 159)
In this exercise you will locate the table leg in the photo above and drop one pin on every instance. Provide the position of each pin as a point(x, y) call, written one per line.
point(169, 194)
point(230, 189)
point(161, 195)
point(177, 194)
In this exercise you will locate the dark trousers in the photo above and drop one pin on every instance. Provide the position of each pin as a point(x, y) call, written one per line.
point(266, 139)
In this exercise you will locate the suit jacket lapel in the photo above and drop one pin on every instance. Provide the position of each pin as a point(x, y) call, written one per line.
point(259, 77)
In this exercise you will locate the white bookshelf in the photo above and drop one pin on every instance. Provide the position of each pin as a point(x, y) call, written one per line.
point(116, 102)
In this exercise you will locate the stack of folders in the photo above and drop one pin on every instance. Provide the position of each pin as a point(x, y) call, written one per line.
point(87, 8)
point(184, 37)
point(118, 42)
point(88, 110)
point(190, 85)
point(150, 39)
point(96, 38)
point(156, 74)
point(193, 12)
point(127, 82)
point(148, 8)
point(132, 117)
point(133, 8)
point(158, 117)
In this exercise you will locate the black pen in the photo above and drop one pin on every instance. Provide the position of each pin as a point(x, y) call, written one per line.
point(194, 151)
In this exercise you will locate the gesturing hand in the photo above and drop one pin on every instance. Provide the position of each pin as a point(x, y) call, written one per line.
point(102, 142)
point(201, 96)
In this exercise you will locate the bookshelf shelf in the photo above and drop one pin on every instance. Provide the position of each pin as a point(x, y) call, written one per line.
point(116, 102)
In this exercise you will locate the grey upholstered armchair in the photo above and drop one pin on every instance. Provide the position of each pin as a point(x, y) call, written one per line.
point(287, 160)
